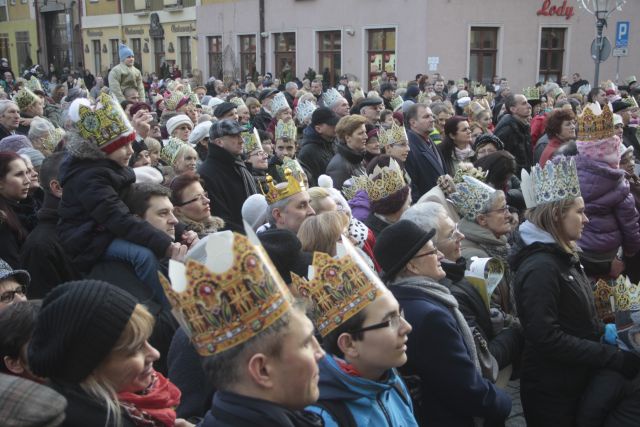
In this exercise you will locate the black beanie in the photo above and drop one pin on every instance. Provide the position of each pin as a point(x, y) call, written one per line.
point(77, 327)
point(285, 250)
point(397, 244)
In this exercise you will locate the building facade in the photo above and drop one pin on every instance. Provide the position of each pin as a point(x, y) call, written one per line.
point(18, 40)
point(523, 40)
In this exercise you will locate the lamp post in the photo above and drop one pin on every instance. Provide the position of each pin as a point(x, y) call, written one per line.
point(601, 9)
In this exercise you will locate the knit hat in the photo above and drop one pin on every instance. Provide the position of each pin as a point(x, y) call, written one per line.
point(14, 142)
point(200, 132)
point(78, 325)
point(322, 116)
point(397, 244)
point(34, 155)
point(176, 121)
point(148, 174)
point(604, 150)
point(487, 138)
point(8, 273)
point(254, 210)
point(124, 52)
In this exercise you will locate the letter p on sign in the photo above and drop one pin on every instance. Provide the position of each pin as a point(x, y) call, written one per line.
point(622, 34)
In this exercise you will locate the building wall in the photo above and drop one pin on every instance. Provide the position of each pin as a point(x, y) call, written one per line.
point(20, 19)
point(101, 7)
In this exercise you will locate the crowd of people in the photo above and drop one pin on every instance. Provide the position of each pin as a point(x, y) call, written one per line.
point(267, 253)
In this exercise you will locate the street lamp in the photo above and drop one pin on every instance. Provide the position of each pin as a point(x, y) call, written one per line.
point(601, 9)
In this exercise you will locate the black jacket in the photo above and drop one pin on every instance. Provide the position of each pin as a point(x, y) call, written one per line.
point(424, 165)
point(375, 224)
point(262, 119)
point(11, 240)
point(345, 164)
point(516, 137)
point(630, 139)
point(224, 179)
point(315, 153)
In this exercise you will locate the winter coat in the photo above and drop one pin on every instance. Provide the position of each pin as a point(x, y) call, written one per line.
point(561, 328)
point(232, 410)
point(345, 164)
point(537, 125)
point(424, 164)
point(121, 77)
point(371, 403)
point(360, 205)
point(316, 153)
point(517, 140)
point(202, 228)
point(630, 139)
point(540, 147)
point(610, 207)
point(228, 183)
point(92, 212)
point(452, 390)
point(375, 223)
point(549, 149)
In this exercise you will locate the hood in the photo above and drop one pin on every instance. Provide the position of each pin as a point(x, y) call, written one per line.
point(360, 200)
point(336, 384)
point(597, 179)
point(529, 240)
point(72, 165)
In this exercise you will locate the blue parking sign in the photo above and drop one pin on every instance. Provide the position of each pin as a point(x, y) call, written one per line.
point(622, 34)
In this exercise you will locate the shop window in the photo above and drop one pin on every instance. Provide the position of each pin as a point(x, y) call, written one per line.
point(215, 56)
point(285, 56)
point(136, 46)
point(381, 52)
point(185, 53)
point(483, 52)
point(247, 56)
point(115, 57)
point(551, 54)
point(330, 56)
point(97, 58)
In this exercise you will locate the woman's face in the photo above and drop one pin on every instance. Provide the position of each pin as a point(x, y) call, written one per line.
point(182, 132)
point(15, 184)
point(399, 150)
point(388, 120)
point(567, 130)
point(358, 139)
point(258, 160)
point(462, 137)
point(574, 220)
point(628, 163)
point(198, 205)
point(485, 150)
point(243, 115)
point(186, 162)
point(475, 133)
point(254, 109)
point(498, 219)
point(373, 145)
point(618, 130)
point(154, 156)
point(33, 174)
point(285, 115)
point(484, 120)
point(130, 372)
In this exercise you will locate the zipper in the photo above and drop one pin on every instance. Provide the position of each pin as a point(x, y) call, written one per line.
point(384, 410)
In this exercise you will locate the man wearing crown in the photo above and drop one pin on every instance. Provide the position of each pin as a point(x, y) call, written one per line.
point(288, 201)
point(336, 102)
point(125, 75)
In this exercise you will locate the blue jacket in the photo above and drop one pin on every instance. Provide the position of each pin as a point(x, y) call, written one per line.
point(372, 403)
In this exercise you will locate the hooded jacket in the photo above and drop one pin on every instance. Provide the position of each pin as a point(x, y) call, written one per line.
point(371, 403)
point(517, 140)
point(316, 153)
point(345, 164)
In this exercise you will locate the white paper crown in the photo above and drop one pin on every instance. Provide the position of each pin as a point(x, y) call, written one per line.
point(278, 103)
point(330, 97)
point(553, 182)
point(304, 110)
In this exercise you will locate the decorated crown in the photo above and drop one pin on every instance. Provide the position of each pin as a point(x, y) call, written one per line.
point(469, 170)
point(288, 188)
point(175, 100)
point(396, 103)
point(471, 197)
point(231, 298)
point(34, 84)
point(393, 135)
point(104, 123)
point(278, 103)
point(630, 101)
point(479, 90)
point(251, 141)
point(357, 94)
point(476, 108)
point(553, 182)
point(304, 110)
point(531, 93)
point(627, 295)
point(603, 293)
point(338, 288)
point(237, 101)
point(595, 125)
point(170, 150)
point(375, 84)
point(51, 140)
point(381, 183)
point(24, 97)
point(294, 166)
point(330, 97)
point(422, 97)
point(286, 130)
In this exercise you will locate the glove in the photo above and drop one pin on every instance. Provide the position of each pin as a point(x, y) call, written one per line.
point(627, 363)
point(610, 334)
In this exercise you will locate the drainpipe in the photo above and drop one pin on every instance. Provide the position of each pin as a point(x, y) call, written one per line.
point(263, 41)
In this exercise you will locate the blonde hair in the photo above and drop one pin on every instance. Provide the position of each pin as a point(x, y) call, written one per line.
point(348, 125)
point(548, 217)
point(135, 333)
point(183, 151)
point(153, 144)
point(316, 194)
point(320, 233)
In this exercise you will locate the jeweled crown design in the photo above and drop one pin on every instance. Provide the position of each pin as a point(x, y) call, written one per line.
point(330, 97)
point(479, 90)
point(396, 103)
point(286, 130)
point(237, 101)
point(278, 103)
point(595, 125)
point(175, 100)
point(531, 93)
point(24, 97)
point(554, 182)
point(276, 192)
point(630, 101)
point(251, 141)
point(170, 150)
point(220, 310)
point(627, 294)
point(294, 166)
point(103, 122)
point(381, 183)
point(393, 135)
point(304, 110)
point(471, 197)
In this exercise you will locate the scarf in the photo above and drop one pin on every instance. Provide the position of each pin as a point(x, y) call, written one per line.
point(202, 228)
point(154, 405)
point(463, 154)
point(247, 178)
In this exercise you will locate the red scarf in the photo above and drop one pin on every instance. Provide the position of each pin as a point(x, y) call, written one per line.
point(347, 368)
point(153, 406)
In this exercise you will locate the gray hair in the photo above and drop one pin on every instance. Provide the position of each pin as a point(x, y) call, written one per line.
point(290, 85)
point(488, 205)
point(280, 205)
point(5, 104)
point(426, 215)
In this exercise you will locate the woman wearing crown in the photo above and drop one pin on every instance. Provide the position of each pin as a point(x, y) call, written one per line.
point(563, 348)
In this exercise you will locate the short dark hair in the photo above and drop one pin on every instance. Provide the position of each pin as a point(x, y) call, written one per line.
point(179, 183)
point(17, 322)
point(412, 113)
point(499, 166)
point(139, 194)
point(509, 101)
point(49, 170)
point(330, 342)
point(593, 93)
point(555, 119)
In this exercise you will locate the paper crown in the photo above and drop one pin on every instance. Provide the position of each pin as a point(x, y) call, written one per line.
point(330, 97)
point(304, 110)
point(627, 295)
point(24, 98)
point(357, 94)
point(288, 188)
point(170, 150)
point(630, 101)
point(237, 101)
point(286, 130)
point(531, 93)
point(294, 166)
point(554, 182)
point(422, 97)
point(231, 298)
point(34, 84)
point(476, 108)
point(479, 90)
point(393, 135)
point(338, 288)
point(105, 124)
point(51, 140)
point(278, 103)
point(175, 100)
point(396, 103)
point(460, 82)
point(251, 141)
point(471, 171)
point(595, 124)
point(381, 183)
point(471, 197)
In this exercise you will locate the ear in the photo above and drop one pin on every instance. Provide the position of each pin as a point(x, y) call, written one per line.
point(412, 268)
point(277, 215)
point(218, 142)
point(14, 365)
point(56, 188)
point(260, 371)
point(346, 344)
point(481, 219)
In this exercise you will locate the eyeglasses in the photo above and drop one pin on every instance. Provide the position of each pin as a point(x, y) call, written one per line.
point(258, 154)
point(393, 322)
point(503, 210)
point(432, 252)
point(8, 296)
point(454, 235)
point(202, 197)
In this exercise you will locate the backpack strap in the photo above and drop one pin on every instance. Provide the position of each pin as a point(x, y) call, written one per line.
point(339, 411)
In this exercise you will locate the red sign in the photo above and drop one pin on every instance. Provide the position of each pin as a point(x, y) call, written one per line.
point(548, 10)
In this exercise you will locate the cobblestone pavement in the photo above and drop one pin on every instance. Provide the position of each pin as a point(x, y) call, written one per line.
point(516, 419)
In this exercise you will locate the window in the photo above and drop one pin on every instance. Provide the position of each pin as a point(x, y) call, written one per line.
point(382, 52)
point(158, 55)
point(285, 55)
point(329, 56)
point(22, 47)
point(4, 46)
point(115, 57)
point(136, 46)
point(97, 58)
point(248, 56)
point(551, 54)
point(215, 56)
point(185, 53)
point(483, 51)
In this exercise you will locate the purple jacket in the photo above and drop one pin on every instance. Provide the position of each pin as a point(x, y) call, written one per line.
point(360, 205)
point(610, 207)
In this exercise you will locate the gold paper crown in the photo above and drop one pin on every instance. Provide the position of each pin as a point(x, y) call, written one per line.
point(595, 125)
point(602, 294)
point(338, 288)
point(296, 170)
point(382, 182)
point(286, 130)
point(277, 192)
point(50, 142)
point(393, 135)
point(104, 122)
point(232, 298)
point(531, 93)
point(479, 90)
point(175, 100)
point(251, 141)
point(170, 150)
point(627, 294)
point(630, 101)
point(357, 94)
point(396, 103)
point(237, 101)
point(24, 98)
point(34, 84)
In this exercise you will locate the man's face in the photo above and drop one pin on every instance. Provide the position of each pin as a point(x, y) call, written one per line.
point(285, 148)
point(10, 120)
point(389, 94)
point(132, 95)
point(99, 81)
point(326, 131)
point(200, 93)
point(316, 88)
point(295, 212)
point(293, 90)
point(372, 113)
point(231, 114)
point(341, 108)
point(601, 97)
point(522, 109)
point(564, 80)
point(575, 77)
point(423, 123)
point(232, 143)
point(438, 86)
point(36, 109)
point(129, 61)
point(160, 215)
